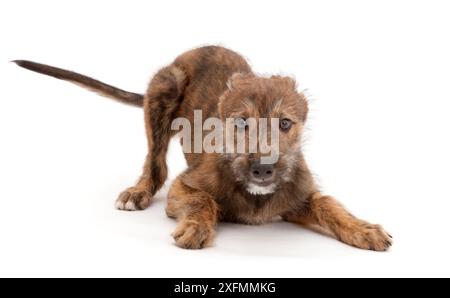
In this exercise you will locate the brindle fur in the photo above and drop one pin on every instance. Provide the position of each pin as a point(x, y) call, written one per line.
point(219, 82)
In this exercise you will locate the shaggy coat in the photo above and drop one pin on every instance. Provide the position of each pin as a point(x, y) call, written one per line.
point(227, 186)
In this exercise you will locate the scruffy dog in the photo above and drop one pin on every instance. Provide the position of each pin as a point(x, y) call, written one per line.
point(224, 186)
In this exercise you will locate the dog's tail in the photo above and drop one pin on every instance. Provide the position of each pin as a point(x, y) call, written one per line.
point(85, 82)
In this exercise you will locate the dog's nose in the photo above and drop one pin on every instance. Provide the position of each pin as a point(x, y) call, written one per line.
point(262, 171)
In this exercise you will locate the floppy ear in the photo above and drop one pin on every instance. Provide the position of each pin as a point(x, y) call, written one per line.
point(235, 78)
point(288, 82)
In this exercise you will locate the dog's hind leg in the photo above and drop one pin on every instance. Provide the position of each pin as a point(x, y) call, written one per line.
point(161, 103)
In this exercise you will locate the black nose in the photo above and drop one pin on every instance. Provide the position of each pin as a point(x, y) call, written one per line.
point(262, 171)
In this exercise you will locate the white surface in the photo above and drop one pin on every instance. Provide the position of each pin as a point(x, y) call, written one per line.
point(378, 137)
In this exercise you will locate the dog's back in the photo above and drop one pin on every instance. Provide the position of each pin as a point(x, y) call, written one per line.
point(207, 69)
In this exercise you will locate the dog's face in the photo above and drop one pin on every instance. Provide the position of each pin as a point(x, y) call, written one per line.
point(248, 101)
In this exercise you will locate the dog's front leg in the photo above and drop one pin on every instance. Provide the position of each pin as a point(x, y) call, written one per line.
point(328, 213)
point(197, 212)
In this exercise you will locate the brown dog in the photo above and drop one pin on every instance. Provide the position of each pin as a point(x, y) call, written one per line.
point(227, 186)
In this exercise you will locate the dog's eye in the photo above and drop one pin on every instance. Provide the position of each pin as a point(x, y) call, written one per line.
point(240, 123)
point(285, 124)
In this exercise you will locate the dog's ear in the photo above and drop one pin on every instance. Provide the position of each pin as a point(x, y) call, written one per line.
point(231, 86)
point(287, 83)
point(236, 78)
point(300, 97)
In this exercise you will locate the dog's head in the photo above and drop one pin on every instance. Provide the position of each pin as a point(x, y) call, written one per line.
point(270, 160)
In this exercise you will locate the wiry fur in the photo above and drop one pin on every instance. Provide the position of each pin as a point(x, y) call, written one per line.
point(217, 187)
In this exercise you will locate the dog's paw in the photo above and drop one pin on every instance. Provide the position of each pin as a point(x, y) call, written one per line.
point(133, 199)
point(368, 236)
point(192, 234)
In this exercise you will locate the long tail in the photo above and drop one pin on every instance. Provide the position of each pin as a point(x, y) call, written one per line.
point(84, 81)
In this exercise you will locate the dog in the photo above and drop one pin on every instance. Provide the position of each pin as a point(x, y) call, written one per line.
point(227, 186)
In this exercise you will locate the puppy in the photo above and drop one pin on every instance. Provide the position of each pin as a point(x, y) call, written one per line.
point(225, 185)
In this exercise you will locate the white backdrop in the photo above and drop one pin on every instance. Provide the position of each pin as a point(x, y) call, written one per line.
point(378, 134)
